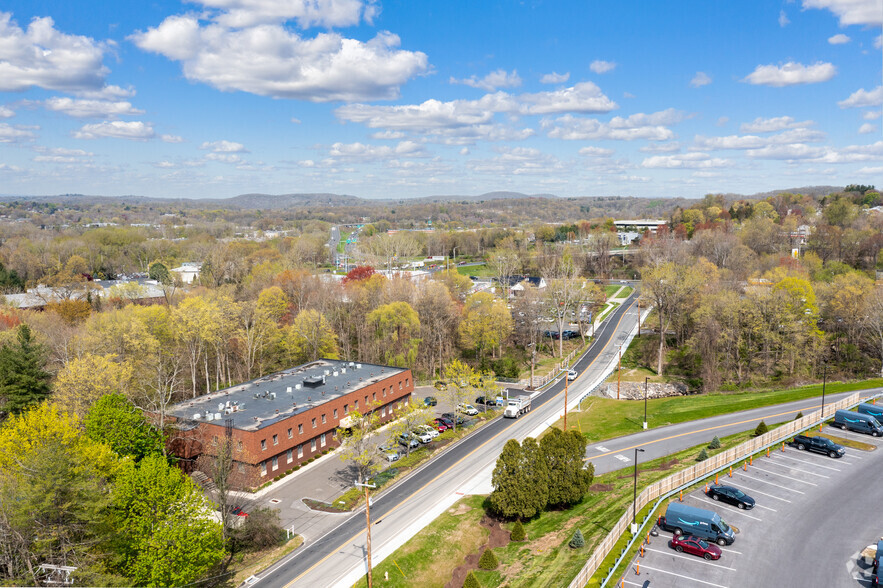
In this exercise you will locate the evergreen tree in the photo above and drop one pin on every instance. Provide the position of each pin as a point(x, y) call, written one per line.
point(159, 272)
point(703, 455)
point(715, 443)
point(799, 416)
point(520, 480)
point(578, 540)
point(471, 581)
point(761, 429)
point(23, 381)
point(488, 560)
point(569, 479)
point(517, 533)
point(10, 280)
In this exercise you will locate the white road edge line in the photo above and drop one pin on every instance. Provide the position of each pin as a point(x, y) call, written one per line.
point(685, 577)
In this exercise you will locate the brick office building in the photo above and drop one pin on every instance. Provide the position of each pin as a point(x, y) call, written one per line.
point(281, 420)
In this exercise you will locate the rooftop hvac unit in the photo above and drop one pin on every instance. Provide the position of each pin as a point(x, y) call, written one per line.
point(227, 404)
point(272, 395)
point(343, 370)
point(335, 374)
point(220, 406)
point(352, 364)
point(197, 416)
point(358, 366)
point(209, 416)
point(297, 386)
point(217, 416)
point(327, 372)
point(288, 389)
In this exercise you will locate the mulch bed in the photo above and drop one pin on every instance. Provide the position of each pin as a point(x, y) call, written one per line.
point(323, 506)
point(600, 487)
point(498, 538)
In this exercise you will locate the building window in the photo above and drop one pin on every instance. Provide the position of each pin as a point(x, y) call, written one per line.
point(289, 433)
point(374, 396)
point(241, 468)
point(346, 409)
point(263, 444)
point(356, 405)
point(322, 440)
point(335, 414)
point(323, 418)
point(313, 444)
point(239, 444)
point(275, 463)
point(289, 456)
point(300, 451)
point(314, 423)
point(406, 382)
point(263, 468)
point(400, 384)
point(300, 429)
point(384, 392)
point(275, 439)
point(383, 412)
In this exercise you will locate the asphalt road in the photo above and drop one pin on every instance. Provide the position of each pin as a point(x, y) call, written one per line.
point(338, 558)
point(617, 453)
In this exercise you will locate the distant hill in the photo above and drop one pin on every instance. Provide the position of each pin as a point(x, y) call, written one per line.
point(273, 202)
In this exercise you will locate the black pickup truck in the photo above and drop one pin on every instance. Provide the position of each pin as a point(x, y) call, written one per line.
point(819, 445)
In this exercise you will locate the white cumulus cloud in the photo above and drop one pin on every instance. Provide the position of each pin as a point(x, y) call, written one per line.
point(684, 161)
point(44, 57)
point(583, 97)
point(555, 78)
point(783, 19)
point(771, 125)
point(90, 108)
point(6, 112)
point(839, 39)
point(791, 74)
point(862, 98)
point(596, 152)
point(223, 147)
point(270, 60)
point(171, 139)
point(496, 79)
point(867, 128)
point(14, 134)
point(700, 79)
point(794, 135)
point(599, 66)
point(135, 130)
point(307, 13)
point(851, 12)
point(653, 127)
point(872, 115)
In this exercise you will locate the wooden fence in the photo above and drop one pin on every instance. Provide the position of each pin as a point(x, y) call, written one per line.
point(699, 471)
point(540, 381)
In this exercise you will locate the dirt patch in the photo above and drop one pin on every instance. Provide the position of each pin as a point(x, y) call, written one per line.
point(664, 465)
point(323, 506)
point(498, 538)
point(600, 487)
point(462, 508)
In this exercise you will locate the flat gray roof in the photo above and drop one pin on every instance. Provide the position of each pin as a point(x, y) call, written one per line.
point(270, 399)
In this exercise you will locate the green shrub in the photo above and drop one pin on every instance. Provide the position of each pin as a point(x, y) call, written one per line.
point(518, 533)
point(799, 416)
point(715, 443)
point(578, 540)
point(703, 455)
point(761, 429)
point(488, 560)
point(506, 367)
point(471, 581)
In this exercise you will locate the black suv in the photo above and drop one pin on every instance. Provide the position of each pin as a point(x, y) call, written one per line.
point(819, 445)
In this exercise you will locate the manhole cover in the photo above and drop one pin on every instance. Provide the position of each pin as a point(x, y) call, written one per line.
point(275, 501)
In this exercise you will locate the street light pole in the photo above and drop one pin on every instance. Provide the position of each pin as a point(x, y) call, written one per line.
point(824, 381)
point(566, 382)
point(619, 372)
point(635, 494)
point(646, 379)
point(368, 518)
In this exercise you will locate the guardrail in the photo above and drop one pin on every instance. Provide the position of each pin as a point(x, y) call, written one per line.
point(685, 478)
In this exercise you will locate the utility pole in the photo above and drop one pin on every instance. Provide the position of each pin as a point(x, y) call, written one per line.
point(368, 518)
point(619, 373)
point(646, 379)
point(566, 382)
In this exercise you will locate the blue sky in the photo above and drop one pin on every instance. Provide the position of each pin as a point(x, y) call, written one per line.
point(214, 98)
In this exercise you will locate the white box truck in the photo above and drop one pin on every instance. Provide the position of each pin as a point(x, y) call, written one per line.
point(517, 406)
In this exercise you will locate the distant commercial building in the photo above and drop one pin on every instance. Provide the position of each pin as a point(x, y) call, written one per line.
point(639, 225)
point(188, 271)
point(280, 421)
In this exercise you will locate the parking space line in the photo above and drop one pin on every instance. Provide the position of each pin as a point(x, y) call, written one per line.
point(646, 567)
point(689, 558)
point(781, 465)
point(737, 511)
point(771, 484)
point(818, 465)
point(756, 491)
point(784, 476)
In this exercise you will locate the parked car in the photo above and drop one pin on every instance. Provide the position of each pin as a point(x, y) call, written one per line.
point(453, 417)
point(467, 409)
point(408, 440)
point(440, 425)
point(430, 430)
point(440, 385)
point(389, 452)
point(572, 375)
point(421, 436)
point(445, 421)
point(730, 495)
point(695, 546)
point(430, 401)
point(819, 445)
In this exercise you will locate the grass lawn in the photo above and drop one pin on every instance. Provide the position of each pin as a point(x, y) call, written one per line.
point(482, 271)
point(344, 233)
point(637, 375)
point(626, 292)
point(430, 557)
point(612, 306)
point(610, 290)
point(604, 418)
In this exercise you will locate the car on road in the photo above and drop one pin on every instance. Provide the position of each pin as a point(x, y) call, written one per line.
point(453, 417)
point(695, 546)
point(408, 440)
point(730, 495)
point(572, 375)
point(467, 409)
point(430, 401)
point(431, 431)
point(819, 445)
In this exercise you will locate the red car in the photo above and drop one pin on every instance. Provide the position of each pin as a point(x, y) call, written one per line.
point(695, 546)
point(440, 426)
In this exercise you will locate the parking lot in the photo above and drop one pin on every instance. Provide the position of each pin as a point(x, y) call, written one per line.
point(813, 516)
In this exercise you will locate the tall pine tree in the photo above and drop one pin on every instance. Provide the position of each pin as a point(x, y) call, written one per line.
point(569, 479)
point(23, 382)
point(521, 481)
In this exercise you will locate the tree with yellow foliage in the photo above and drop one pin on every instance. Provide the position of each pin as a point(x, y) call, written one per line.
point(85, 379)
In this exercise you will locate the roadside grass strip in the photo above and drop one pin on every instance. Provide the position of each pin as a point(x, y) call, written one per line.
point(692, 558)
point(794, 469)
point(777, 485)
point(646, 567)
point(784, 476)
point(812, 463)
point(729, 510)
